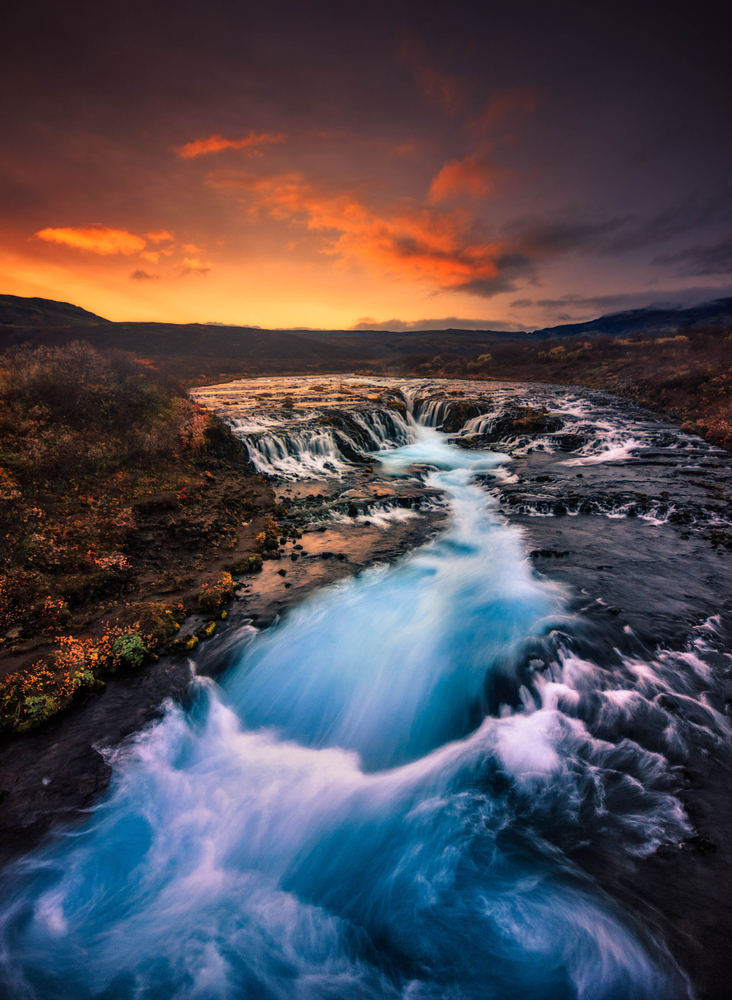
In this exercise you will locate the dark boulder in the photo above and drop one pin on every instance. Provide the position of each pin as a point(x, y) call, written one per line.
point(524, 421)
point(459, 412)
point(568, 442)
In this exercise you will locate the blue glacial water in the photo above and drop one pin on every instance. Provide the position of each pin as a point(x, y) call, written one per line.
point(380, 799)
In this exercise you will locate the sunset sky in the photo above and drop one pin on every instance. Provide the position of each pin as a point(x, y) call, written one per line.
point(305, 164)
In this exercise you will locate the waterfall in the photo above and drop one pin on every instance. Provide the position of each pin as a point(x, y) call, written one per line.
point(323, 448)
point(392, 794)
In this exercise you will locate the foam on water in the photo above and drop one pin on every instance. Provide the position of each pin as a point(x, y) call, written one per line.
point(381, 515)
point(381, 800)
point(302, 452)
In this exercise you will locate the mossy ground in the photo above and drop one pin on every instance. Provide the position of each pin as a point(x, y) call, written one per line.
point(121, 505)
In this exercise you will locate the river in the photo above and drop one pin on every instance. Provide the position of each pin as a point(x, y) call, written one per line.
point(419, 781)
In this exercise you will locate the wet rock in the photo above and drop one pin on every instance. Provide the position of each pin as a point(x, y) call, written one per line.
point(699, 844)
point(568, 442)
point(458, 413)
point(248, 564)
point(524, 420)
point(474, 442)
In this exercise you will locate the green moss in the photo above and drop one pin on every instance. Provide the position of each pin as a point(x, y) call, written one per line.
point(249, 564)
point(130, 649)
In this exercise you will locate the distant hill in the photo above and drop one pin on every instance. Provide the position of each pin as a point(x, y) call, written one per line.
point(200, 352)
point(649, 320)
point(18, 311)
point(207, 352)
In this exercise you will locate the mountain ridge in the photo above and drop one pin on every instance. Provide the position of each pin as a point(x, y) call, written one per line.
point(200, 353)
point(19, 311)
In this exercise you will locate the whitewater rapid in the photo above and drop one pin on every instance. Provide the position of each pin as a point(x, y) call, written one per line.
point(380, 799)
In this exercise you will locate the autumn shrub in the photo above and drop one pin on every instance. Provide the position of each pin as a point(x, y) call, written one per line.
point(213, 596)
point(30, 697)
point(74, 410)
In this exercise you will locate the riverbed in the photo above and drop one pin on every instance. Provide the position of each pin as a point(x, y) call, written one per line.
point(466, 736)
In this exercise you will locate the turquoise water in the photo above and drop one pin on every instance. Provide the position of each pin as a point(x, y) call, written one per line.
point(379, 800)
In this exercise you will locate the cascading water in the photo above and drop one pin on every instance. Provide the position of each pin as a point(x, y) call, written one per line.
point(321, 450)
point(381, 799)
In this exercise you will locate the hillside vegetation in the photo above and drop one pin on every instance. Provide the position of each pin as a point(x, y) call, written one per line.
point(121, 505)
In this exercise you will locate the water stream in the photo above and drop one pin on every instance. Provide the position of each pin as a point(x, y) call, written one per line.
point(386, 796)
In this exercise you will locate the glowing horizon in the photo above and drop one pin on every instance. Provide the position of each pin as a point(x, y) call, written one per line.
point(254, 175)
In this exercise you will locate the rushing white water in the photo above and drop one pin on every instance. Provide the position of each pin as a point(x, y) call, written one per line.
point(380, 801)
point(303, 451)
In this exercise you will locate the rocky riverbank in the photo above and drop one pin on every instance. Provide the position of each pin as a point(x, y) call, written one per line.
point(684, 374)
point(50, 777)
point(124, 508)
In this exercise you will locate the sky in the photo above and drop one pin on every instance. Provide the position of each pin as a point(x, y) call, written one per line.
point(387, 165)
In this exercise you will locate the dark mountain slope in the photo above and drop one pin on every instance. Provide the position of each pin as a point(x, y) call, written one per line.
point(649, 320)
point(18, 311)
point(208, 352)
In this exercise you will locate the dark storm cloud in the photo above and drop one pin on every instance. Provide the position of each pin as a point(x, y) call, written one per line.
point(591, 306)
point(599, 302)
point(555, 236)
point(510, 268)
point(700, 260)
point(693, 212)
point(558, 235)
point(666, 141)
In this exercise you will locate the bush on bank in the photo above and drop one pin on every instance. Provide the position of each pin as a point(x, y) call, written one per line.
point(30, 697)
point(112, 484)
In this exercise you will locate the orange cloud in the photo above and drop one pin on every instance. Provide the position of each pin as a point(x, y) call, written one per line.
point(161, 236)
point(216, 143)
point(97, 239)
point(153, 256)
point(471, 176)
point(194, 266)
point(413, 243)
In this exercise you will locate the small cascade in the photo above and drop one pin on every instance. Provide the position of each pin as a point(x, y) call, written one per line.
point(327, 445)
point(421, 782)
point(432, 412)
